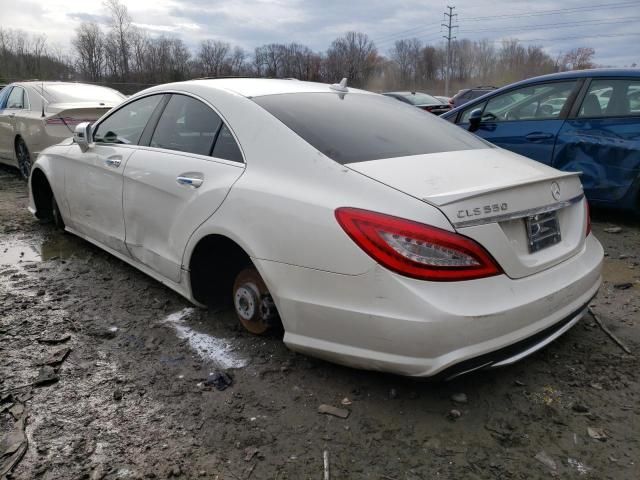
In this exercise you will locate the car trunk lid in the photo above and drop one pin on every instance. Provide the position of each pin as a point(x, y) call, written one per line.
point(499, 199)
point(68, 115)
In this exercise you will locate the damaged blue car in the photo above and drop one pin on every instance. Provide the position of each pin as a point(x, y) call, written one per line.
point(587, 120)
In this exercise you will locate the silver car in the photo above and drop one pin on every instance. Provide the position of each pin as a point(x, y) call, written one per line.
point(35, 115)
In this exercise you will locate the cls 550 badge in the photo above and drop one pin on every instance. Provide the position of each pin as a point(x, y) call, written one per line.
point(484, 210)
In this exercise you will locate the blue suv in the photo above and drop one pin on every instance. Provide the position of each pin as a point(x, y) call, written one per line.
point(586, 121)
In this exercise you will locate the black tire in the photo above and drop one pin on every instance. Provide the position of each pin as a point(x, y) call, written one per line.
point(58, 222)
point(24, 159)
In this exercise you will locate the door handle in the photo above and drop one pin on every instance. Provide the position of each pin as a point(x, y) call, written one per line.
point(537, 136)
point(191, 179)
point(113, 162)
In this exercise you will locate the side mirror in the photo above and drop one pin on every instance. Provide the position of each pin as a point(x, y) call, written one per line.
point(475, 117)
point(82, 135)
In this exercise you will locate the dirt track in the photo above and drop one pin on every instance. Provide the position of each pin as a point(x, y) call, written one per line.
point(131, 398)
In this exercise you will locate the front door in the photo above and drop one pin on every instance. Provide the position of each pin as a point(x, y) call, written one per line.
point(526, 120)
point(177, 182)
point(12, 101)
point(93, 179)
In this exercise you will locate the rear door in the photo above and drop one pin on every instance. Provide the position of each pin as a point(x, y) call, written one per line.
point(16, 103)
point(177, 182)
point(527, 119)
point(93, 179)
point(602, 139)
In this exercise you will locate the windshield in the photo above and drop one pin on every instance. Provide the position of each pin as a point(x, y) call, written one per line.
point(80, 92)
point(358, 127)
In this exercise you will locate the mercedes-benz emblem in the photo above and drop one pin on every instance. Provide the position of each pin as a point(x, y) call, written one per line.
point(555, 190)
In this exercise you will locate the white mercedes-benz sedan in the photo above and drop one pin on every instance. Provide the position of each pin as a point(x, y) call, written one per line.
point(380, 237)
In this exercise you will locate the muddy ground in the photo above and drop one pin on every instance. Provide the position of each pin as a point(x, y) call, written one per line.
point(109, 373)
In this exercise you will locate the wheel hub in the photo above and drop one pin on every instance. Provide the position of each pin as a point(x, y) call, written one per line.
point(247, 301)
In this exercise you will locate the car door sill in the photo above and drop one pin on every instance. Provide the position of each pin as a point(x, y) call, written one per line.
point(179, 288)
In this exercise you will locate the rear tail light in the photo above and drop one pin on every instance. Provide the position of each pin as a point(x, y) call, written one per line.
point(416, 250)
point(588, 213)
point(68, 121)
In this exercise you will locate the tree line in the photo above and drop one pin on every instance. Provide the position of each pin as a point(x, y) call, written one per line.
point(128, 57)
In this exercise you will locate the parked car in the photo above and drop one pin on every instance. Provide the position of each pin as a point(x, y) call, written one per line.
point(35, 115)
point(421, 100)
point(584, 121)
point(467, 94)
point(446, 100)
point(2, 86)
point(383, 238)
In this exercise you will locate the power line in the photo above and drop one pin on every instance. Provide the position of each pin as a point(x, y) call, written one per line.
point(448, 38)
point(556, 11)
point(613, 21)
point(595, 35)
point(428, 29)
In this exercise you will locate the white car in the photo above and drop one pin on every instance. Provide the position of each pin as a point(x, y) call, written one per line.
point(35, 115)
point(382, 238)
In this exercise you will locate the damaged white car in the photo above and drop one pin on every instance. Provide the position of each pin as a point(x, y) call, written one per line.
point(381, 238)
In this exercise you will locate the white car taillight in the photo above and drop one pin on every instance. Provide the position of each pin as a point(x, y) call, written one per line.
point(416, 250)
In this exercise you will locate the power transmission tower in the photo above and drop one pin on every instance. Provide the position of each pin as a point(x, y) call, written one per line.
point(449, 26)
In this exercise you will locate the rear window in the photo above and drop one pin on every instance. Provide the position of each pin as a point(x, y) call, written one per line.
point(360, 127)
point(79, 92)
point(421, 99)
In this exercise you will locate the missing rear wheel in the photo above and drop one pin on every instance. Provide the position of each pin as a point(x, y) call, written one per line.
point(253, 303)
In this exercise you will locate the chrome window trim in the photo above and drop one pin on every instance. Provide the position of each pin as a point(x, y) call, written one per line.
point(519, 214)
point(174, 92)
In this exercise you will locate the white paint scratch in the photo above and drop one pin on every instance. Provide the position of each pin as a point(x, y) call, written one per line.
point(217, 350)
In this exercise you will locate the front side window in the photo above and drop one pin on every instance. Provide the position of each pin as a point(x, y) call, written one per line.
point(125, 126)
point(4, 94)
point(611, 98)
point(16, 98)
point(536, 102)
point(358, 127)
point(464, 118)
point(186, 125)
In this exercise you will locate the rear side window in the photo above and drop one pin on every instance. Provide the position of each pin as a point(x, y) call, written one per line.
point(186, 125)
point(611, 98)
point(356, 127)
point(125, 126)
point(16, 98)
point(226, 146)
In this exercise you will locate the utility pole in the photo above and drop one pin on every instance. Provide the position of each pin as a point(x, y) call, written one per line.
point(449, 26)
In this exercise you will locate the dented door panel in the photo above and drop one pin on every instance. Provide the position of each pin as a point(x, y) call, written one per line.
point(606, 151)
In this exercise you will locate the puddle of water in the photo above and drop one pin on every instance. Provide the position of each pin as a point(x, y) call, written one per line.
point(206, 346)
point(15, 254)
point(58, 245)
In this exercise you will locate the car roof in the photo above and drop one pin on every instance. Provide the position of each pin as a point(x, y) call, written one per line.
point(257, 87)
point(569, 75)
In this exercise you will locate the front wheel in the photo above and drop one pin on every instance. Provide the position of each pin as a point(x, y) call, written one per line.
point(24, 158)
point(253, 303)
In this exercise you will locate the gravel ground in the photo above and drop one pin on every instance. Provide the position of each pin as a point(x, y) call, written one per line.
point(105, 373)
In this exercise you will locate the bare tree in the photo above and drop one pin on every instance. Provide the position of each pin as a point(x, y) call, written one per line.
point(353, 56)
point(89, 46)
point(119, 36)
point(214, 56)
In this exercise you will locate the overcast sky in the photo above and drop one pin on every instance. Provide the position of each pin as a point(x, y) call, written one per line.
point(609, 26)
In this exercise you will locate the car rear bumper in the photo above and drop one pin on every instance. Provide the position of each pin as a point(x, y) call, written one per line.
point(383, 321)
